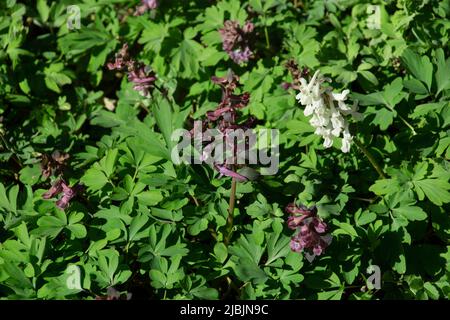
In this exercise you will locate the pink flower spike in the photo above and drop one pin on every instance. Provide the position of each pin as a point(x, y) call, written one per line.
point(68, 193)
point(55, 189)
point(229, 173)
point(310, 235)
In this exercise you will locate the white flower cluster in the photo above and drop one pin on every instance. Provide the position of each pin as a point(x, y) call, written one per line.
point(328, 110)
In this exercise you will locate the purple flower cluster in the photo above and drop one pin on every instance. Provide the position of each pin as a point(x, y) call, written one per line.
point(113, 294)
point(296, 74)
point(143, 78)
point(53, 164)
point(311, 230)
point(145, 6)
point(225, 119)
point(60, 186)
point(226, 111)
point(235, 40)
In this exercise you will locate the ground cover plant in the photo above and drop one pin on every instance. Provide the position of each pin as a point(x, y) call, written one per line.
point(96, 201)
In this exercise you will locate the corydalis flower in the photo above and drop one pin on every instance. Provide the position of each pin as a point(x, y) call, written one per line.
point(328, 110)
point(235, 40)
point(311, 230)
point(143, 77)
point(240, 55)
point(53, 164)
point(122, 60)
point(113, 294)
point(145, 6)
point(224, 171)
point(230, 101)
point(296, 74)
point(225, 119)
point(68, 193)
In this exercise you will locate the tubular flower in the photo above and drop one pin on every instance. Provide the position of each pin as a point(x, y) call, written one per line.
point(53, 164)
point(143, 79)
point(225, 119)
point(328, 110)
point(68, 193)
point(145, 6)
point(311, 230)
point(296, 74)
point(142, 76)
point(236, 40)
point(113, 294)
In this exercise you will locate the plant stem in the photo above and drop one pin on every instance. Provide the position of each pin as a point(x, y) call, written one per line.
point(371, 158)
point(213, 233)
point(266, 33)
point(165, 96)
point(404, 120)
point(231, 286)
point(7, 147)
point(408, 125)
point(195, 200)
point(229, 227)
point(363, 199)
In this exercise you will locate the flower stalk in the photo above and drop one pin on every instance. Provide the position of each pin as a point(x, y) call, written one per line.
point(371, 158)
point(229, 227)
point(328, 110)
point(266, 33)
point(236, 40)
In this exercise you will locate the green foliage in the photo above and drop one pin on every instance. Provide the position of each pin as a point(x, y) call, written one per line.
point(146, 226)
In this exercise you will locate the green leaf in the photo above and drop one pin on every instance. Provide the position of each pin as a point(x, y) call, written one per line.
point(247, 270)
point(94, 179)
point(383, 117)
point(158, 279)
point(416, 86)
point(391, 95)
point(277, 247)
point(150, 198)
point(431, 290)
point(136, 225)
point(162, 111)
point(330, 295)
point(153, 35)
point(369, 76)
point(384, 186)
point(426, 108)
point(411, 213)
point(364, 217)
point(436, 190)
point(4, 201)
point(221, 252)
point(400, 264)
point(109, 161)
point(443, 70)
point(43, 9)
point(205, 293)
point(185, 56)
point(345, 228)
point(420, 67)
point(198, 226)
point(51, 226)
point(77, 230)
